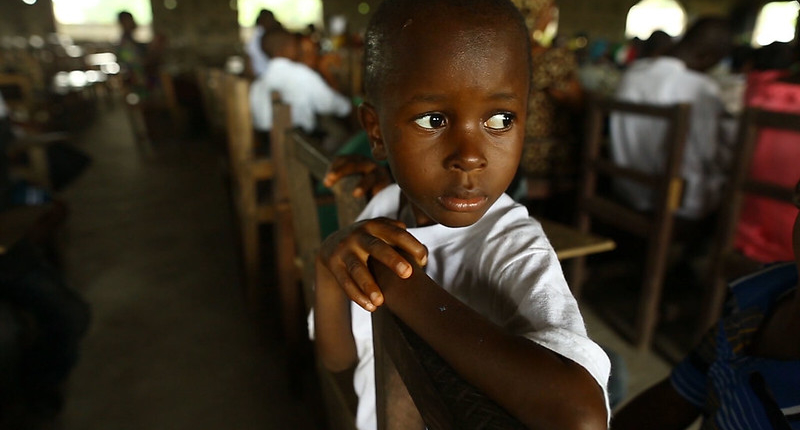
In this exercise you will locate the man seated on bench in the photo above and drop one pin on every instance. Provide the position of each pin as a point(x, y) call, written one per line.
point(456, 259)
point(299, 86)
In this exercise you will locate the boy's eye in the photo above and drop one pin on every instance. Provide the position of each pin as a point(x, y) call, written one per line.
point(500, 121)
point(431, 120)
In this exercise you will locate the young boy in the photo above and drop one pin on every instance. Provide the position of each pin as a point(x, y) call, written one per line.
point(452, 256)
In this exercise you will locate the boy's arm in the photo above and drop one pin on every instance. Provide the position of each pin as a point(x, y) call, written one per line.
point(343, 276)
point(659, 408)
point(541, 388)
point(333, 335)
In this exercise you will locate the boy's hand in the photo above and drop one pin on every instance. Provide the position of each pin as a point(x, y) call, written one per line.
point(345, 254)
point(374, 177)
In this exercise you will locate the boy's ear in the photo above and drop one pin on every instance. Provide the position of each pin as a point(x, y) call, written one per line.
point(370, 122)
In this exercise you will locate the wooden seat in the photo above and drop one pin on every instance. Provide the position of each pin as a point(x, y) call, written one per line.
point(441, 397)
point(655, 227)
point(246, 171)
point(727, 263)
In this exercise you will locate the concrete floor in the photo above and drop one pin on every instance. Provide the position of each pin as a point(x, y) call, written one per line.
point(151, 246)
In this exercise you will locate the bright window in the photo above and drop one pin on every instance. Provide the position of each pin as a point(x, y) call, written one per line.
point(293, 14)
point(96, 20)
point(648, 16)
point(775, 23)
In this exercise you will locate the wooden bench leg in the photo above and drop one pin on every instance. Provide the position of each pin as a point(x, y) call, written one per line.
point(652, 286)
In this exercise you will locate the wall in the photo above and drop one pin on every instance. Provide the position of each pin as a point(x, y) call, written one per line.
point(604, 18)
point(20, 19)
point(198, 31)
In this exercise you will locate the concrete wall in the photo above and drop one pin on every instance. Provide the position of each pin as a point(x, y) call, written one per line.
point(20, 19)
point(198, 31)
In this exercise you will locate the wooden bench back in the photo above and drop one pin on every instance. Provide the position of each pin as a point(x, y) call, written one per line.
point(741, 183)
point(656, 226)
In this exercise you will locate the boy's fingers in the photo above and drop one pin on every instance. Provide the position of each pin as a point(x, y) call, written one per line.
point(394, 234)
point(386, 254)
point(363, 278)
point(347, 165)
point(351, 288)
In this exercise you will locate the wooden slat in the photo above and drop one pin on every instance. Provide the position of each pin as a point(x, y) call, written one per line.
point(310, 154)
point(606, 167)
point(616, 215)
point(569, 242)
point(769, 190)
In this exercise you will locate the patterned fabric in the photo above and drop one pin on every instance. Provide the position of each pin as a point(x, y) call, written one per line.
point(531, 10)
point(735, 390)
point(549, 151)
point(131, 56)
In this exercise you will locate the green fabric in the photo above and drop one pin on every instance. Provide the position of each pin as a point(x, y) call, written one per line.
point(328, 220)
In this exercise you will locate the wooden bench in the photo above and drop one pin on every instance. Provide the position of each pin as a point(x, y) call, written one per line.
point(655, 227)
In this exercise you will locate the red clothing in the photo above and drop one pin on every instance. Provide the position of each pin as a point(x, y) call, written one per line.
point(764, 232)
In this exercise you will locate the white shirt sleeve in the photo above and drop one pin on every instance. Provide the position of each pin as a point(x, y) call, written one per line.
point(325, 100)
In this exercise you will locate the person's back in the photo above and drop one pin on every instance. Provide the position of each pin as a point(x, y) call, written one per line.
point(445, 250)
point(676, 77)
point(764, 229)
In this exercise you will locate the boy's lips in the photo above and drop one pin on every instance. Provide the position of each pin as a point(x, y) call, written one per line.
point(463, 202)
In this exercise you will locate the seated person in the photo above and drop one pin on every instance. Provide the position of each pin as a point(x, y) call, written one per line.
point(299, 86)
point(745, 374)
point(764, 230)
point(446, 237)
point(677, 76)
point(259, 61)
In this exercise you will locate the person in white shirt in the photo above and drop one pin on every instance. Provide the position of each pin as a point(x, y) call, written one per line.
point(676, 77)
point(299, 86)
point(445, 249)
point(258, 59)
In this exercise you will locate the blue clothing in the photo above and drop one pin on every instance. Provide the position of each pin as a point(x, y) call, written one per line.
point(735, 390)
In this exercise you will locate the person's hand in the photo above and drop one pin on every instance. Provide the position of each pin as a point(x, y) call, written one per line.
point(374, 177)
point(345, 254)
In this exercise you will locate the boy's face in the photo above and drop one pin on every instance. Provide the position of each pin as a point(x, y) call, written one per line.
point(450, 120)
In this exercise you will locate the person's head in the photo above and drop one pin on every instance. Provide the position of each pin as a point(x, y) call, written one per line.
point(266, 19)
point(446, 87)
point(126, 21)
point(705, 43)
point(281, 43)
point(308, 50)
point(657, 44)
point(775, 56)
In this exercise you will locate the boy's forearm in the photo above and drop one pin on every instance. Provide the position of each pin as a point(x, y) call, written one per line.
point(332, 325)
point(539, 387)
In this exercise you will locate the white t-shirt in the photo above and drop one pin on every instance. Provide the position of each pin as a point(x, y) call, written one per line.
point(301, 88)
point(503, 267)
point(638, 141)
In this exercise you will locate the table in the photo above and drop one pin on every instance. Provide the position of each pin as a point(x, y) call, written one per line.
point(569, 242)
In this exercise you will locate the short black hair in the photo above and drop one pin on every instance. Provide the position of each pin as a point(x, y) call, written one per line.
point(392, 15)
point(124, 14)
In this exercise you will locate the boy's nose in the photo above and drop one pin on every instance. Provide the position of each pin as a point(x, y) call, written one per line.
point(467, 151)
